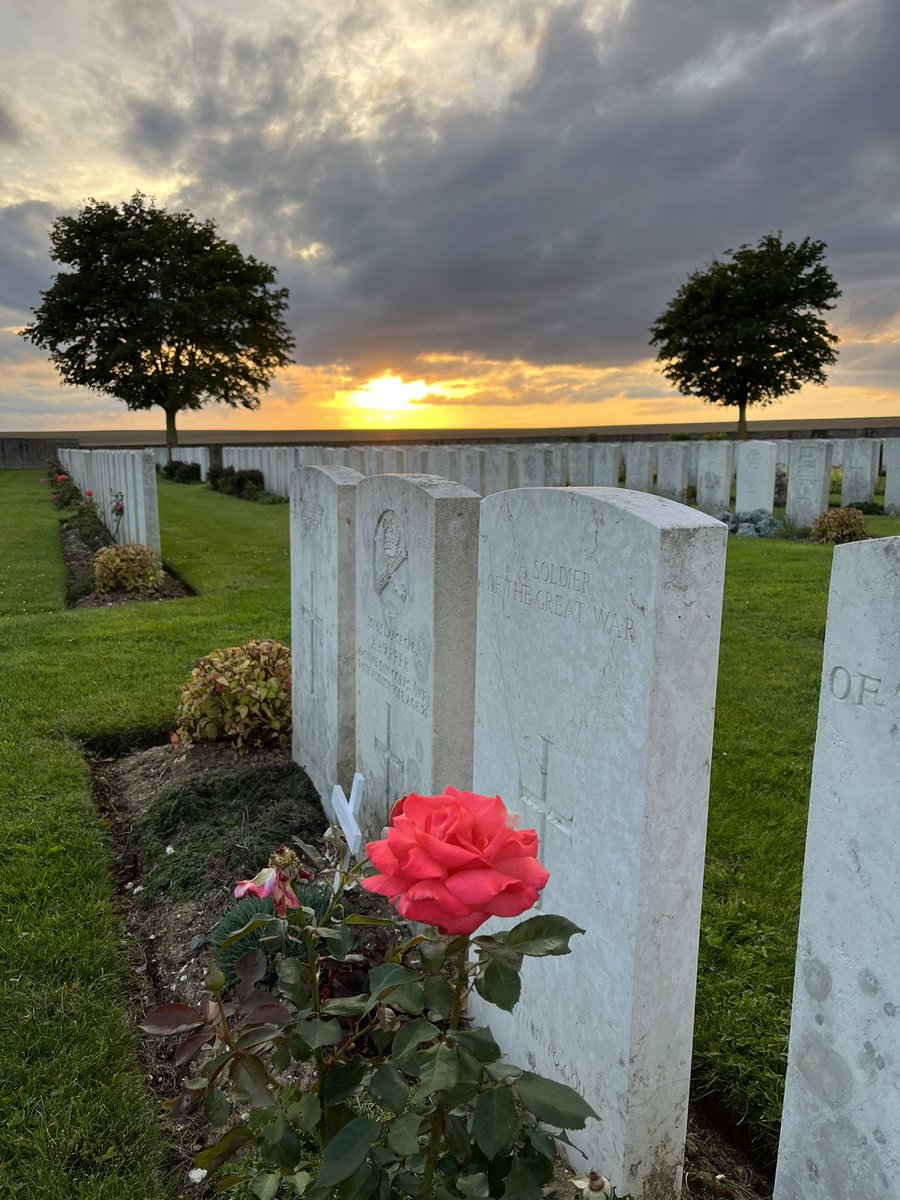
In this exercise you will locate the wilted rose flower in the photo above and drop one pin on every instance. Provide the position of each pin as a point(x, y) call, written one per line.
point(275, 881)
point(455, 860)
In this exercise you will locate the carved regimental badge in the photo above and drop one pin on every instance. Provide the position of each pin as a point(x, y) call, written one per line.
point(390, 563)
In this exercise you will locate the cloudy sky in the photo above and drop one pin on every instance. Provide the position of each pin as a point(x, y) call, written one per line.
point(481, 205)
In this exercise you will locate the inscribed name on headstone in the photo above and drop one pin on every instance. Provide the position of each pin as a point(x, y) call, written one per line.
point(416, 554)
point(714, 474)
point(840, 1135)
point(755, 487)
point(859, 470)
point(809, 480)
point(598, 629)
point(323, 624)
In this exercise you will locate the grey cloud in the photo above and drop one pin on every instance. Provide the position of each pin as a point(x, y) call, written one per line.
point(10, 129)
point(556, 226)
point(24, 255)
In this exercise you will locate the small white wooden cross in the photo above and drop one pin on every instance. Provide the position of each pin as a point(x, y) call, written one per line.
point(346, 813)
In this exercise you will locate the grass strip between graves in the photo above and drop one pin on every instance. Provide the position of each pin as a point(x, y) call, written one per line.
point(75, 1118)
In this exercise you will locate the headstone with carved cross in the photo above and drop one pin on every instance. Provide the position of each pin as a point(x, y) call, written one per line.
point(323, 625)
point(416, 554)
point(598, 628)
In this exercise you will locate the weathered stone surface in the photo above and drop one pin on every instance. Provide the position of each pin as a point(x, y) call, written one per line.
point(890, 457)
point(840, 1135)
point(578, 464)
point(599, 613)
point(497, 467)
point(672, 470)
point(809, 480)
point(715, 462)
point(640, 463)
point(416, 554)
point(755, 488)
point(323, 624)
point(471, 468)
point(607, 458)
point(859, 470)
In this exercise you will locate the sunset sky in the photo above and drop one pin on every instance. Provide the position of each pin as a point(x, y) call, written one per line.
point(479, 206)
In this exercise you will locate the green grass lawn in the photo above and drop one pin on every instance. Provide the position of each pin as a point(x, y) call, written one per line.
point(75, 1118)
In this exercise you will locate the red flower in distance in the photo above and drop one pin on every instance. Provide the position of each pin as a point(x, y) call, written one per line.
point(454, 861)
point(89, 494)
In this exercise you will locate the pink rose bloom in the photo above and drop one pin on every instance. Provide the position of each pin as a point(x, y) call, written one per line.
point(89, 494)
point(454, 861)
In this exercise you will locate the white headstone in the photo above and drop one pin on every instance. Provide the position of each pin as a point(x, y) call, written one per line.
point(411, 460)
point(598, 630)
point(528, 468)
point(840, 1135)
point(640, 460)
point(891, 458)
point(497, 469)
point(442, 461)
point(471, 468)
point(755, 477)
point(323, 624)
point(417, 549)
point(607, 458)
point(714, 473)
point(672, 470)
point(552, 457)
point(859, 470)
point(692, 450)
point(579, 465)
point(809, 480)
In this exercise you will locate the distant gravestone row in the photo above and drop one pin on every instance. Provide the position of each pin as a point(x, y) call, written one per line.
point(558, 647)
point(126, 474)
point(707, 471)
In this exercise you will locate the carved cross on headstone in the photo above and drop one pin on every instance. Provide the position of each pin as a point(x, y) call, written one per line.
point(394, 769)
point(545, 813)
point(314, 622)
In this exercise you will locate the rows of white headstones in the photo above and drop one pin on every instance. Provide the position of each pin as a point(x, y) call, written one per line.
point(667, 469)
point(113, 474)
point(559, 647)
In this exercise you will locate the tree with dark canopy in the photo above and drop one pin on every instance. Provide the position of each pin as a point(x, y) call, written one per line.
point(747, 331)
point(159, 310)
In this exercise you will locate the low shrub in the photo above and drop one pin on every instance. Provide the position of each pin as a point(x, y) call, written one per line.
point(242, 912)
point(839, 525)
point(240, 695)
point(181, 472)
point(247, 484)
point(129, 568)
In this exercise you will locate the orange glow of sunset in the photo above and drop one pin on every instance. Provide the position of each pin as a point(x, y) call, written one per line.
point(385, 397)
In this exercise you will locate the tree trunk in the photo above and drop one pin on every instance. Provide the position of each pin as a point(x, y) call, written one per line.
point(742, 420)
point(171, 433)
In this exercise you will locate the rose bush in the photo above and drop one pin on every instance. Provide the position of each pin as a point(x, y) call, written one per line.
point(382, 1091)
point(455, 860)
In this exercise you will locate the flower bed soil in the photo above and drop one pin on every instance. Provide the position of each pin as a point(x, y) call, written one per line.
point(167, 959)
point(79, 543)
